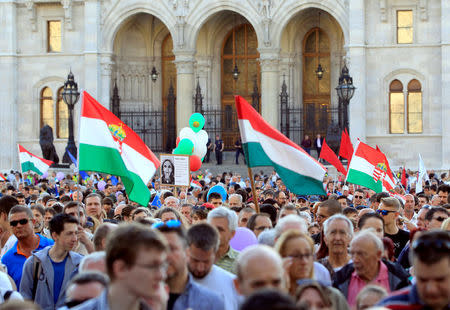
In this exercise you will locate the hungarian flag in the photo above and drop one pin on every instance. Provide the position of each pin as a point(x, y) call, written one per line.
point(346, 148)
point(369, 167)
point(328, 154)
point(109, 146)
point(31, 162)
point(265, 146)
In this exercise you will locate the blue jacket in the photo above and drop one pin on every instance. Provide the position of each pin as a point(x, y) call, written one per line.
point(14, 261)
point(44, 290)
point(101, 303)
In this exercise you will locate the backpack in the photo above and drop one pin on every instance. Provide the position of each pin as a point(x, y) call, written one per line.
point(36, 273)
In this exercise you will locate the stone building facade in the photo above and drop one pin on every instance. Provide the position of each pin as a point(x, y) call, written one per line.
point(397, 51)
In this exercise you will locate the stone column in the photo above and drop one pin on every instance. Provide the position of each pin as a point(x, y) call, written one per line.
point(107, 66)
point(8, 85)
point(269, 61)
point(357, 68)
point(184, 61)
point(445, 80)
point(91, 64)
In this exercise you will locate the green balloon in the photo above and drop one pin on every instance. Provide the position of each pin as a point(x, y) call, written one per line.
point(196, 122)
point(185, 146)
point(176, 151)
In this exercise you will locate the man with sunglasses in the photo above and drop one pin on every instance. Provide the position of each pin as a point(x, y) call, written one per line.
point(359, 198)
point(430, 257)
point(22, 222)
point(389, 209)
point(435, 217)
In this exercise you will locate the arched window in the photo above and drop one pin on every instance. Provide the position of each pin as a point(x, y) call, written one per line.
point(396, 107)
point(414, 107)
point(62, 117)
point(47, 112)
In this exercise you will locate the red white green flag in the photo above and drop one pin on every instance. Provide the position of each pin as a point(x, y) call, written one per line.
point(265, 146)
point(31, 162)
point(369, 167)
point(108, 145)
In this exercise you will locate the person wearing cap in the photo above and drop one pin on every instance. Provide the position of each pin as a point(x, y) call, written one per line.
point(302, 201)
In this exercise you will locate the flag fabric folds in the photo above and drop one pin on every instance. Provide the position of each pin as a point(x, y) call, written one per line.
point(327, 154)
point(31, 162)
point(265, 146)
point(346, 148)
point(369, 167)
point(421, 174)
point(108, 145)
point(83, 174)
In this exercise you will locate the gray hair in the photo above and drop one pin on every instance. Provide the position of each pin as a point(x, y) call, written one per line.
point(367, 233)
point(235, 195)
point(306, 216)
point(222, 212)
point(291, 219)
point(92, 257)
point(172, 198)
point(336, 217)
point(267, 237)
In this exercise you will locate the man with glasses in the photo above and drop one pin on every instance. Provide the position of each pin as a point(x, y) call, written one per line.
point(326, 209)
point(136, 265)
point(389, 209)
point(184, 293)
point(430, 257)
point(435, 217)
point(53, 266)
point(259, 222)
point(22, 222)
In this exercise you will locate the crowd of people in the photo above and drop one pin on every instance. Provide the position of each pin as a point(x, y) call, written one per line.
point(69, 243)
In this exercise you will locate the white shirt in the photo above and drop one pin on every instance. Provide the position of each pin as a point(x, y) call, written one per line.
point(8, 245)
point(221, 282)
point(322, 274)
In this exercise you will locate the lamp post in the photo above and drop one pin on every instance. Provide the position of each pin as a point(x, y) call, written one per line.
point(345, 91)
point(70, 96)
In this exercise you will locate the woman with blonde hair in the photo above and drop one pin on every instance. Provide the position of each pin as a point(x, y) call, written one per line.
point(297, 249)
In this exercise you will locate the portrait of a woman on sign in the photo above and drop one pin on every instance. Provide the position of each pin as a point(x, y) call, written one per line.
point(167, 172)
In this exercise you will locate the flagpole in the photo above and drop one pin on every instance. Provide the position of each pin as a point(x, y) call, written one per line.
point(252, 182)
point(21, 172)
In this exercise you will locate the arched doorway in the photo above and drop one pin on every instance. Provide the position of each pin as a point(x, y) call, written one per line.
point(316, 92)
point(240, 49)
point(142, 43)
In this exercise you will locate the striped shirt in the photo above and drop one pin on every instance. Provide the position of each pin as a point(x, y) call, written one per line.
point(227, 261)
point(405, 299)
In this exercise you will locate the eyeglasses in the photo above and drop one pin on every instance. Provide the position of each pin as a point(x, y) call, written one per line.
point(21, 222)
point(262, 228)
point(168, 224)
point(436, 244)
point(155, 267)
point(384, 212)
point(439, 218)
point(301, 256)
point(359, 197)
point(73, 303)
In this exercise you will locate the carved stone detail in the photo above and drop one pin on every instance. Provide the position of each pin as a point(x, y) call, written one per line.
point(423, 10)
point(181, 8)
point(383, 11)
point(32, 11)
point(67, 6)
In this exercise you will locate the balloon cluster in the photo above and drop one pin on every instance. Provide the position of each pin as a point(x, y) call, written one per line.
point(192, 141)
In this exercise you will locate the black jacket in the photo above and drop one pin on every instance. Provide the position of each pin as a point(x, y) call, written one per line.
point(398, 277)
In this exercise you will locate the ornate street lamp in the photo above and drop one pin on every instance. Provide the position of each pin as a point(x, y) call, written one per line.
point(235, 73)
point(154, 74)
point(345, 91)
point(319, 72)
point(70, 96)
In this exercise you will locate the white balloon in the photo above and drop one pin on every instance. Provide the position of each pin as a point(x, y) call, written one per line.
point(199, 149)
point(187, 133)
point(203, 136)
